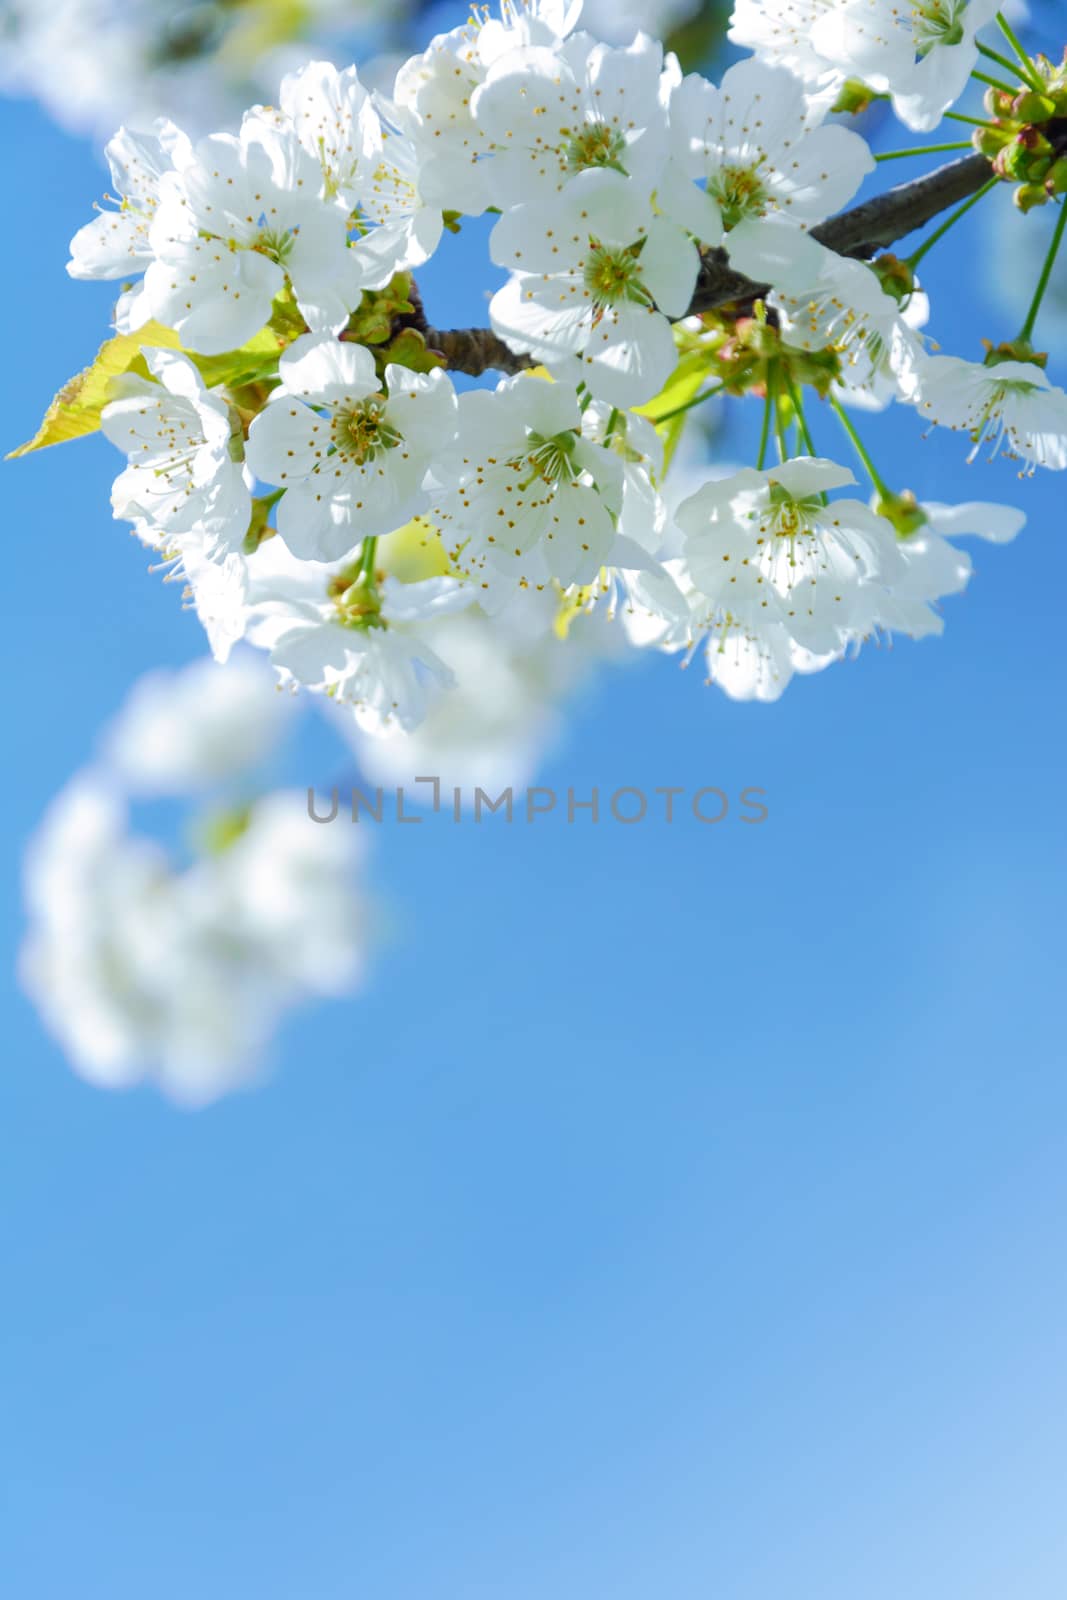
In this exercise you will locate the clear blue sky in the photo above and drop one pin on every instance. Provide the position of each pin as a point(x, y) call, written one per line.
point(680, 1212)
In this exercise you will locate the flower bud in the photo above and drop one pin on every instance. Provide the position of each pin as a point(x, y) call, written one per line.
point(1056, 177)
point(1031, 107)
point(1029, 195)
point(989, 141)
point(1027, 158)
point(853, 98)
point(998, 103)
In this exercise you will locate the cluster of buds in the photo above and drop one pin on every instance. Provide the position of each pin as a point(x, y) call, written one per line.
point(752, 356)
point(1026, 138)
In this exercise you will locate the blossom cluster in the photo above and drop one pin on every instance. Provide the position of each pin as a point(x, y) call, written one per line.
point(291, 420)
point(146, 969)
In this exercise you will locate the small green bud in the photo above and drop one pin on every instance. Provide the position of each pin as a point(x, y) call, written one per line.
point(854, 97)
point(999, 104)
point(1027, 158)
point(1030, 195)
point(1056, 177)
point(989, 141)
point(1031, 107)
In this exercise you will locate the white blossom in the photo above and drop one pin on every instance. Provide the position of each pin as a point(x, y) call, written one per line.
point(920, 53)
point(524, 495)
point(437, 90)
point(335, 120)
point(185, 468)
point(145, 971)
point(351, 458)
point(398, 227)
point(116, 243)
point(763, 547)
point(596, 276)
point(339, 632)
point(933, 567)
point(1011, 406)
point(770, 172)
point(846, 309)
point(246, 216)
point(551, 114)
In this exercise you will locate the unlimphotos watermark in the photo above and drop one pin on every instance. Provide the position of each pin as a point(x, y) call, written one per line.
point(626, 806)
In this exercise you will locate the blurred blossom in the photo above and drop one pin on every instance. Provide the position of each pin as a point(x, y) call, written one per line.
point(618, 21)
point(187, 730)
point(96, 63)
point(146, 969)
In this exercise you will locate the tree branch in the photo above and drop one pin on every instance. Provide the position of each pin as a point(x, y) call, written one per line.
point(476, 350)
point(861, 232)
point(873, 225)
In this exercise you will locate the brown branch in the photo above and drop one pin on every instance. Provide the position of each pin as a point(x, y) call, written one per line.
point(871, 226)
point(476, 350)
point(860, 232)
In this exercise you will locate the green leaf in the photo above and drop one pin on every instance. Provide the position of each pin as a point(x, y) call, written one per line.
point(236, 367)
point(373, 319)
point(76, 409)
point(409, 349)
point(689, 377)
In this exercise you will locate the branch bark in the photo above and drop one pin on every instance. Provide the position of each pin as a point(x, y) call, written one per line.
point(873, 225)
point(861, 232)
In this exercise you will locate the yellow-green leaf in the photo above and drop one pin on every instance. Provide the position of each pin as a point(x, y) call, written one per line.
point(76, 409)
point(686, 383)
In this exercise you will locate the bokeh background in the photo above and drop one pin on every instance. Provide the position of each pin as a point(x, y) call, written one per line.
point(678, 1212)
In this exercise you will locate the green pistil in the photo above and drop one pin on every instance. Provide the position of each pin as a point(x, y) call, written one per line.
point(937, 23)
point(596, 145)
point(552, 459)
point(614, 276)
point(362, 434)
point(792, 518)
point(356, 599)
point(276, 244)
point(740, 194)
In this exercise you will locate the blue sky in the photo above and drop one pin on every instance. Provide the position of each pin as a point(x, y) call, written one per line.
point(679, 1212)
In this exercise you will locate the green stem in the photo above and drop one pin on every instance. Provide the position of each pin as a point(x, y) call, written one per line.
point(1046, 273)
point(765, 432)
point(961, 211)
point(798, 407)
point(796, 396)
point(972, 122)
point(698, 400)
point(924, 150)
point(1024, 60)
point(779, 420)
point(368, 557)
point(1012, 66)
point(859, 447)
point(995, 83)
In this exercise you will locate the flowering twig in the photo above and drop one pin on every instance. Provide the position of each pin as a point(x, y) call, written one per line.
point(860, 232)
